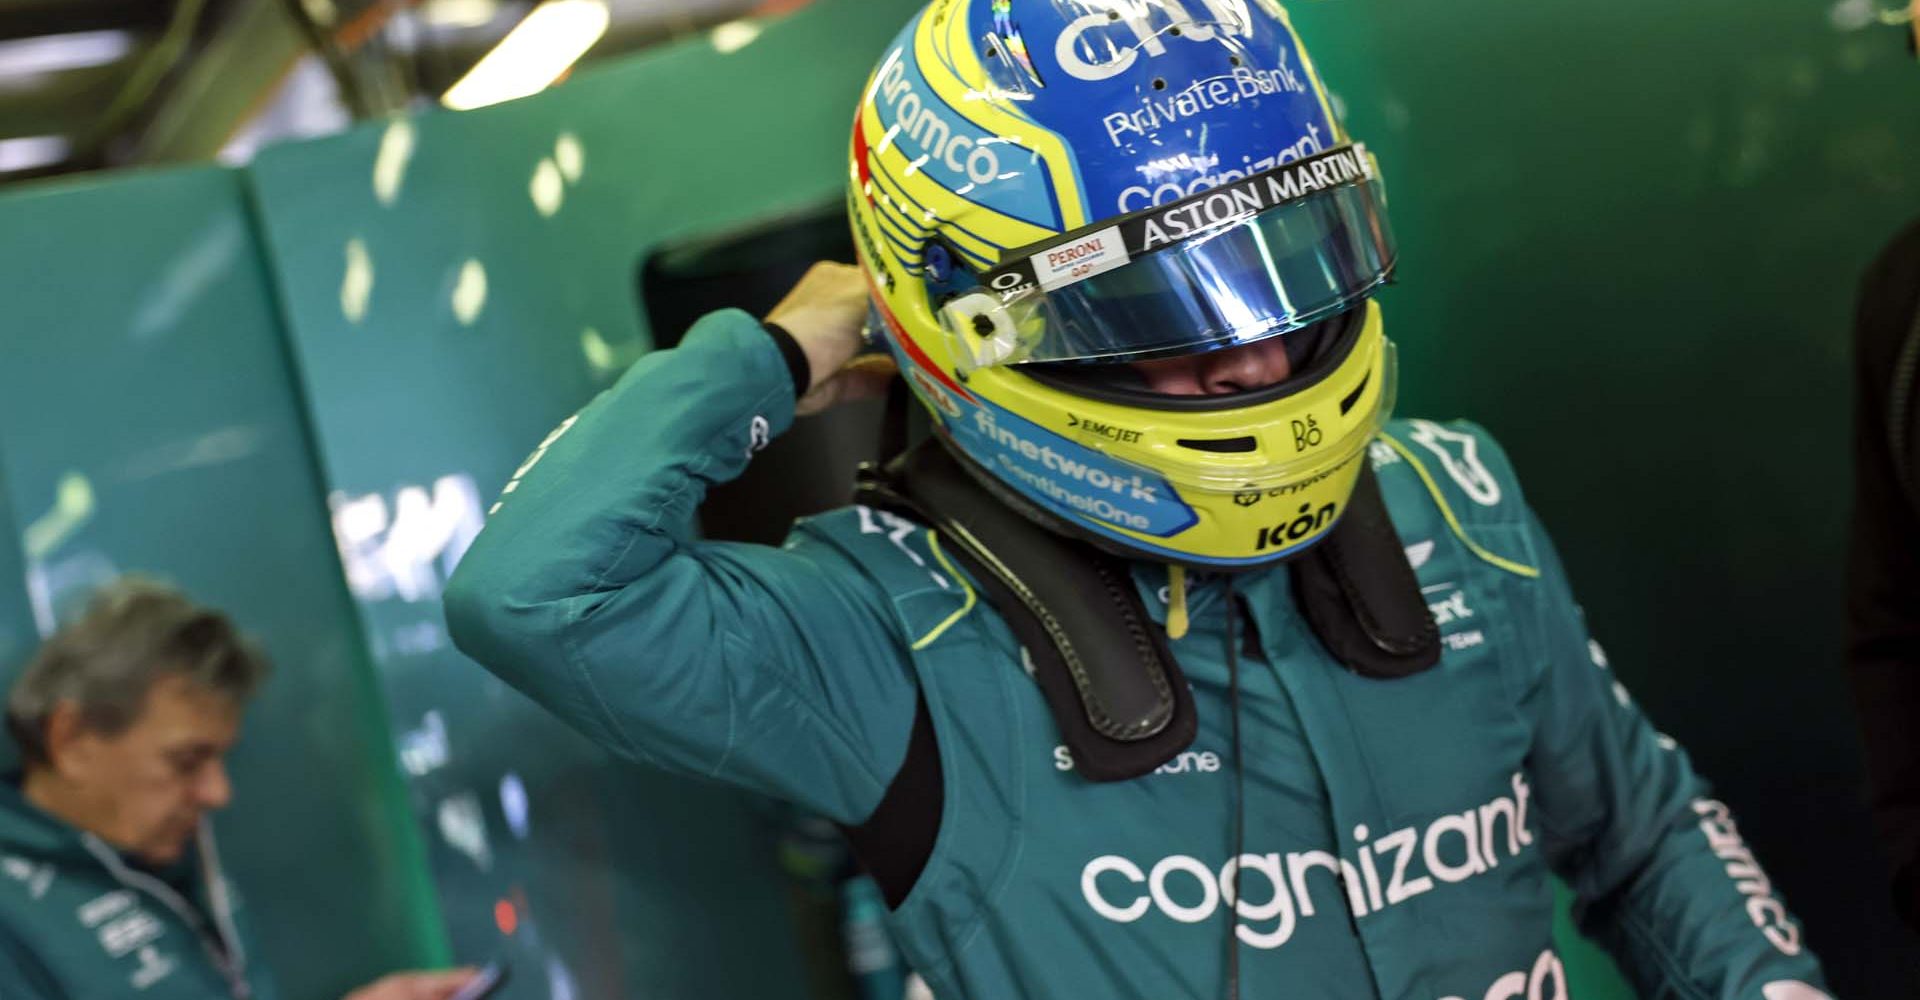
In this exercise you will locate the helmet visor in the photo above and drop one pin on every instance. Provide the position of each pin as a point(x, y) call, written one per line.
point(1229, 266)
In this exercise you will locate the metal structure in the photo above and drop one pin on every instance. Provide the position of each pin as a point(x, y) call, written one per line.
point(91, 84)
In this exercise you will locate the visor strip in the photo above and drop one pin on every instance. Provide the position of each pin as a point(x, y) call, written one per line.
point(1063, 260)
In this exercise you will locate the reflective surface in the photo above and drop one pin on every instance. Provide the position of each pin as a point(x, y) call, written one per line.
point(456, 286)
point(148, 423)
point(17, 636)
point(1273, 274)
point(1629, 236)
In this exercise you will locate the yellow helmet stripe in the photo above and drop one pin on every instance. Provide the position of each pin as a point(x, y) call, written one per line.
point(895, 175)
point(963, 77)
point(915, 189)
point(978, 248)
point(904, 249)
point(901, 209)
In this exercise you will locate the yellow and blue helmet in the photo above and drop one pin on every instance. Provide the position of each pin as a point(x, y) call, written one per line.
point(1044, 190)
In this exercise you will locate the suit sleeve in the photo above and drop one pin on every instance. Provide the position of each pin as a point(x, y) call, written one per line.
point(1658, 866)
point(780, 670)
point(22, 976)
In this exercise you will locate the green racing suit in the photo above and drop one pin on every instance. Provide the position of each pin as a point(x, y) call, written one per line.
point(1399, 835)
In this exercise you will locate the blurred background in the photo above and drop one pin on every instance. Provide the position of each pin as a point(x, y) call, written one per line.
point(288, 288)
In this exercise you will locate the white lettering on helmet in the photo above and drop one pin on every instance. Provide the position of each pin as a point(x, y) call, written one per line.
point(1140, 196)
point(919, 121)
point(1069, 482)
point(1452, 848)
point(1160, 110)
point(1068, 50)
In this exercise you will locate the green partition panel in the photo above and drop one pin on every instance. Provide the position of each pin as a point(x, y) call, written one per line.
point(17, 634)
point(454, 286)
point(148, 423)
point(1630, 237)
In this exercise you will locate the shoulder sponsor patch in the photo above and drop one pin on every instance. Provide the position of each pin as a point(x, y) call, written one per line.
point(1459, 454)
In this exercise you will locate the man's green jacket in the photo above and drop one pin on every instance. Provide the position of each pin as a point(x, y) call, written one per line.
point(1400, 835)
point(79, 921)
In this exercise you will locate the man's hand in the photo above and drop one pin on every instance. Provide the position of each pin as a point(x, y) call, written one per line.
point(825, 311)
point(414, 986)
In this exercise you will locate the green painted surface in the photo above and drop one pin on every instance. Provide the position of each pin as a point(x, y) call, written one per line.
point(17, 635)
point(148, 423)
point(1630, 236)
point(1532, 214)
point(440, 332)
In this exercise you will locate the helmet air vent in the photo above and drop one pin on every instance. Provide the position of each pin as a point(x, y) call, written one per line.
point(1221, 445)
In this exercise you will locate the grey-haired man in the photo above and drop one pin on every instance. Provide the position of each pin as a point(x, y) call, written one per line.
point(109, 883)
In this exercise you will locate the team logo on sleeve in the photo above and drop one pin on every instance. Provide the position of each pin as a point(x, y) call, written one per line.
point(1459, 454)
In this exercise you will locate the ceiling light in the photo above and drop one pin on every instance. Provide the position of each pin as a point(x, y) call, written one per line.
point(459, 13)
point(56, 53)
point(28, 152)
point(533, 55)
point(735, 35)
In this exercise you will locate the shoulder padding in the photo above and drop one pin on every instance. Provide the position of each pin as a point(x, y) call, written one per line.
point(896, 551)
point(1453, 480)
point(1456, 463)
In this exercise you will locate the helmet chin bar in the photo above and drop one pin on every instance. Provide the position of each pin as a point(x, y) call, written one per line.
point(1140, 473)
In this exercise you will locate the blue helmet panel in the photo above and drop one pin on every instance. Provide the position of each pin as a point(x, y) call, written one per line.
point(1158, 99)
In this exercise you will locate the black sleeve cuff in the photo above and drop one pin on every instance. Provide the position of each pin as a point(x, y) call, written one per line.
point(796, 359)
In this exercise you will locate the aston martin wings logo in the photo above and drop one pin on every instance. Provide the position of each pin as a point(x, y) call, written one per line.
point(1459, 454)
